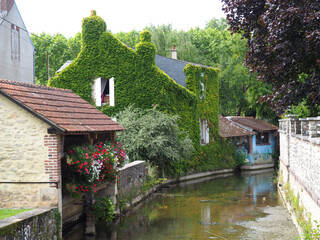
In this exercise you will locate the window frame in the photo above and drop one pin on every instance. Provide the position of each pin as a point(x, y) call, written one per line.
point(15, 42)
point(260, 138)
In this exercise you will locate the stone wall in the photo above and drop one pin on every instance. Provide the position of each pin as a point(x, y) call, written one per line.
point(28, 159)
point(131, 177)
point(300, 160)
point(41, 223)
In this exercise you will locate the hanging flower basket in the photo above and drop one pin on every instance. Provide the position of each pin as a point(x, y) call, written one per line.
point(92, 165)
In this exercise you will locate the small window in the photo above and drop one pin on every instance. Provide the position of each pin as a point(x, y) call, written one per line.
point(262, 138)
point(203, 91)
point(103, 92)
point(15, 42)
point(204, 131)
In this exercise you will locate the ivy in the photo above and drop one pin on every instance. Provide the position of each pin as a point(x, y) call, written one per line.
point(140, 82)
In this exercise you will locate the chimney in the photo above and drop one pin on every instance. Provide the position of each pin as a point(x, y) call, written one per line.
point(174, 54)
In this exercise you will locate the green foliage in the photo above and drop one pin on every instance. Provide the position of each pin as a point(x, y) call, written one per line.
point(131, 38)
point(240, 158)
point(153, 135)
point(139, 81)
point(315, 233)
point(303, 218)
point(58, 218)
point(152, 178)
point(220, 24)
point(220, 155)
point(103, 209)
point(59, 48)
point(302, 110)
point(5, 213)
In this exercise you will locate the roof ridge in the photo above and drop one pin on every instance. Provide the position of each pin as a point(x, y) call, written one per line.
point(30, 85)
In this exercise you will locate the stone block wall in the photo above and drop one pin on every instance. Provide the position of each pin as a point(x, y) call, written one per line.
point(41, 223)
point(131, 177)
point(29, 159)
point(300, 160)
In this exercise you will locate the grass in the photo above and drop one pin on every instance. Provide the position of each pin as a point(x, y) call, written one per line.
point(5, 213)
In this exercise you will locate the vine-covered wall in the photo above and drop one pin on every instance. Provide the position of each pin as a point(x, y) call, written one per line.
point(139, 81)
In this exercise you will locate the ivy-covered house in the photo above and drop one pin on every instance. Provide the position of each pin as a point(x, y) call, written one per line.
point(106, 70)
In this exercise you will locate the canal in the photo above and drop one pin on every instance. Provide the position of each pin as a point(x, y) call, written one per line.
point(235, 207)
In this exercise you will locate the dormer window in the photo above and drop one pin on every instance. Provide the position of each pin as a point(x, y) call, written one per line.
point(103, 92)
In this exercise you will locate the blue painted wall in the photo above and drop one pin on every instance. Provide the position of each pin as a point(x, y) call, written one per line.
point(262, 153)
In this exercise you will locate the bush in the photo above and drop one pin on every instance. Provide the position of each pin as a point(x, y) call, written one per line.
point(103, 209)
point(153, 135)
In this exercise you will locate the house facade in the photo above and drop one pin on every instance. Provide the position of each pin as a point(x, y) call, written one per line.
point(16, 47)
point(255, 138)
point(37, 125)
point(107, 71)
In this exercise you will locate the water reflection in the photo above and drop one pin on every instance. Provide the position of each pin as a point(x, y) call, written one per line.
point(203, 209)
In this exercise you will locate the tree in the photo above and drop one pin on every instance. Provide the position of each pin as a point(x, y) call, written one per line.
point(131, 38)
point(59, 48)
point(153, 135)
point(283, 47)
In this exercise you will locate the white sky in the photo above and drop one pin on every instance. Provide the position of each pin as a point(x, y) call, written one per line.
point(64, 16)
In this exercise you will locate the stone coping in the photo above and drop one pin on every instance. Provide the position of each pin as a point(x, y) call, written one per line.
point(129, 165)
point(25, 215)
point(257, 166)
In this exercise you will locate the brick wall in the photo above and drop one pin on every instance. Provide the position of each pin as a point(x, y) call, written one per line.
point(52, 164)
point(300, 160)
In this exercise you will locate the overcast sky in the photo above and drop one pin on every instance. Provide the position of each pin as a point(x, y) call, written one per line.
point(65, 16)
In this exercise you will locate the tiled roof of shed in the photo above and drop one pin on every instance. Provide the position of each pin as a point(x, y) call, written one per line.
point(255, 124)
point(60, 108)
point(228, 128)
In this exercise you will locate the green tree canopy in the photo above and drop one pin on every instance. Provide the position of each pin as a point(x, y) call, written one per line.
point(59, 48)
point(283, 47)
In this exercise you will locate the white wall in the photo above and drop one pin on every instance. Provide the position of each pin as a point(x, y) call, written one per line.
point(300, 163)
point(23, 70)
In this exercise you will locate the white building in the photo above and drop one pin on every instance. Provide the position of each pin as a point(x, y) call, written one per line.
point(16, 47)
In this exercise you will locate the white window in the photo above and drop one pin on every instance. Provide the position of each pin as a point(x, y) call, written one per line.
point(15, 42)
point(103, 91)
point(204, 131)
point(203, 91)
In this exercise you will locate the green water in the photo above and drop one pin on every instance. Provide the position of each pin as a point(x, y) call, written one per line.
point(218, 208)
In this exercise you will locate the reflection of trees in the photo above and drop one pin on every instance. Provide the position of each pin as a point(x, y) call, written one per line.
point(196, 210)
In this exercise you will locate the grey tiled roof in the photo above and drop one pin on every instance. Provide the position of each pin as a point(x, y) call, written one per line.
point(174, 68)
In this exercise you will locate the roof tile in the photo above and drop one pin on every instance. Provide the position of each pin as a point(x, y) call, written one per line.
point(255, 124)
point(228, 129)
